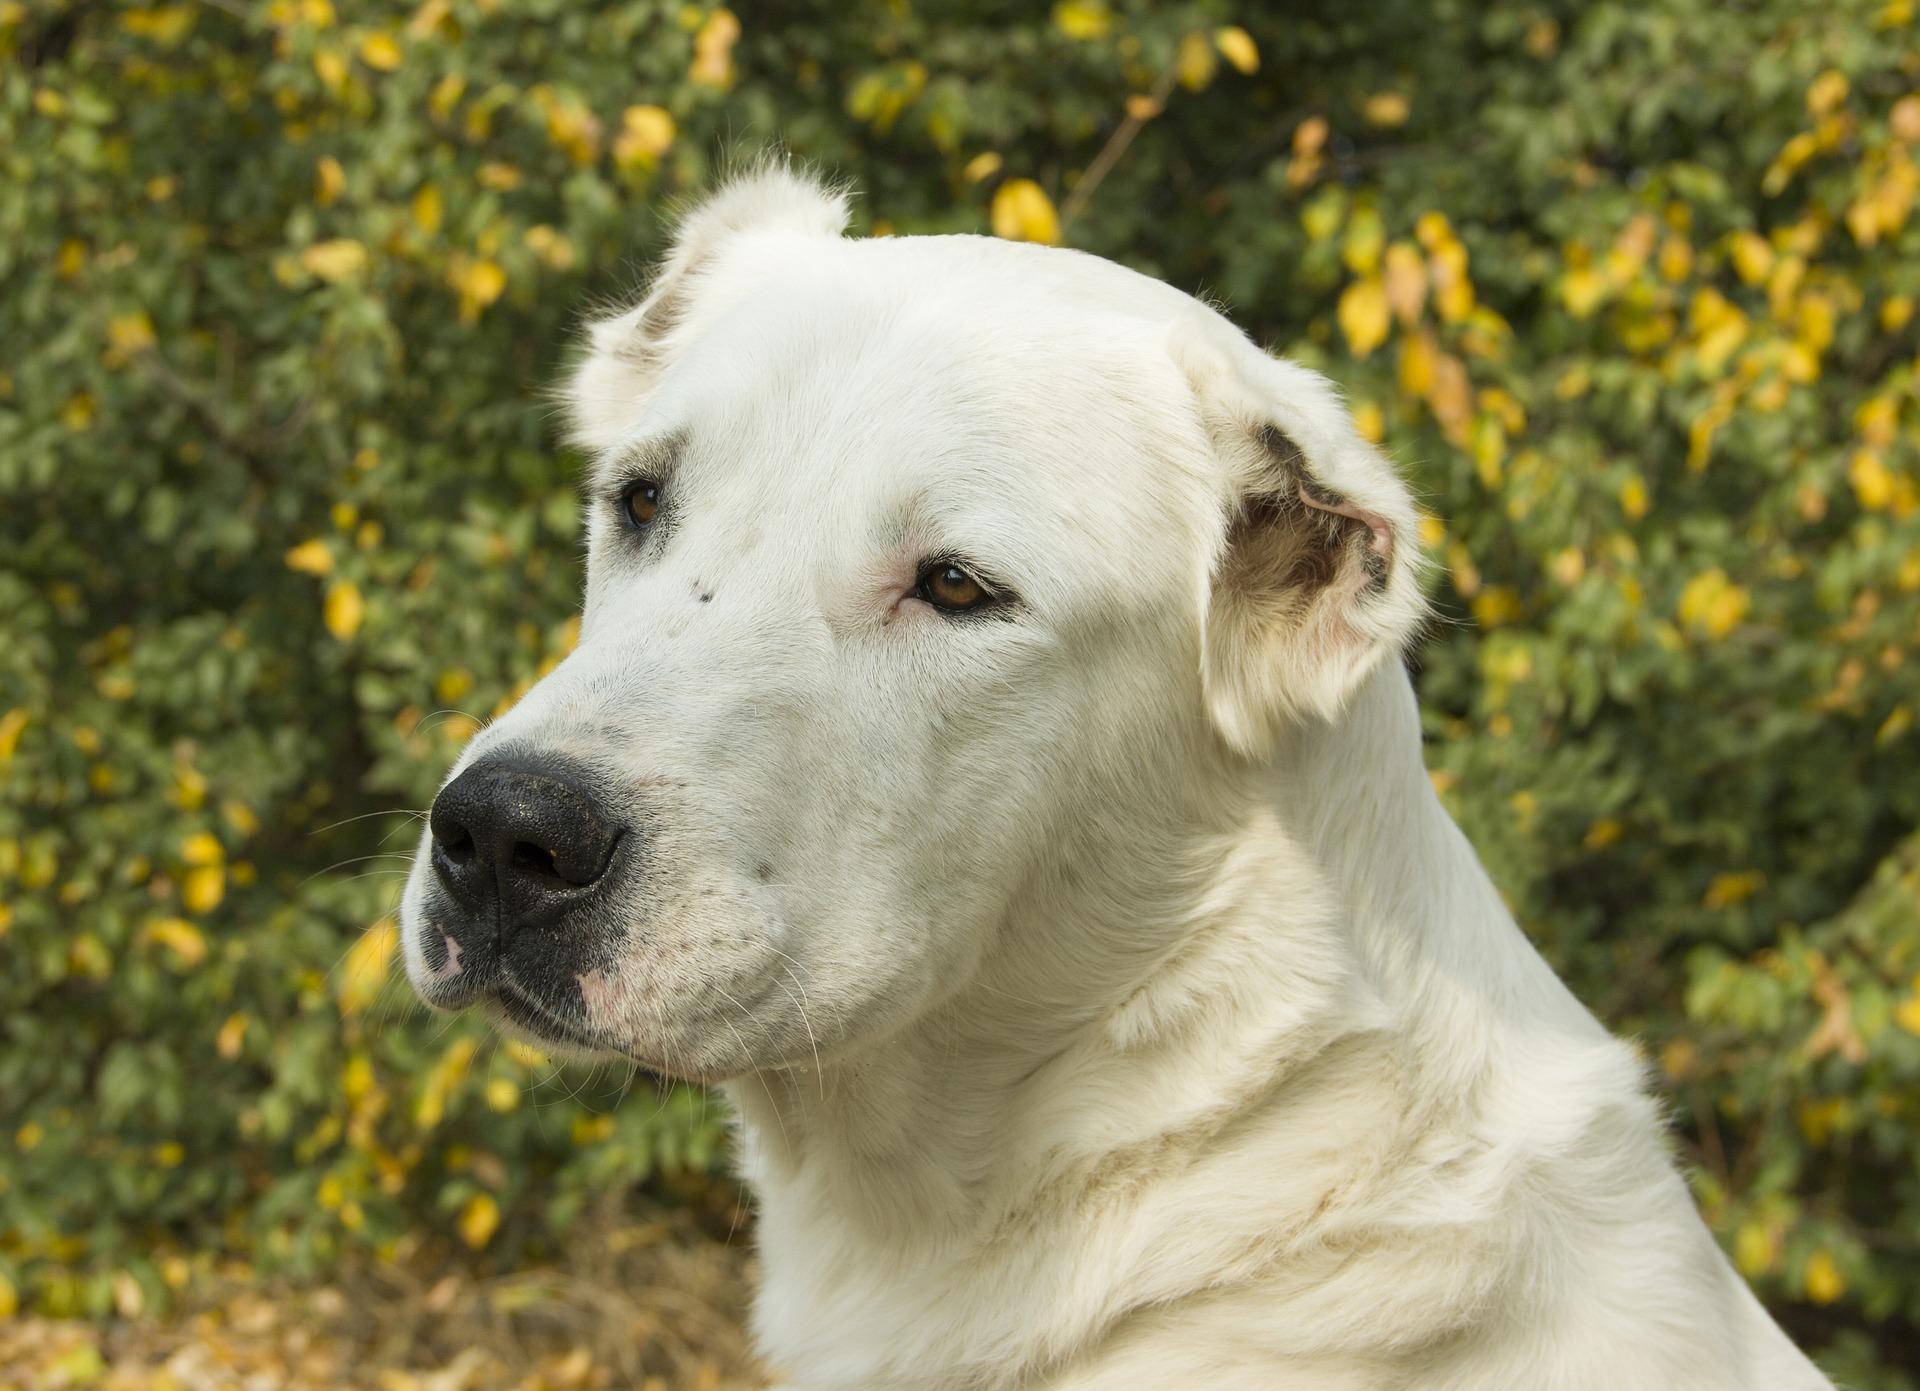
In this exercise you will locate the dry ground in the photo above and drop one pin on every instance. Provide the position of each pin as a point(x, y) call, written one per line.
point(645, 1305)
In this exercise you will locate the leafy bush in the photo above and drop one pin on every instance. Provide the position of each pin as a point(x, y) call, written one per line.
point(1630, 285)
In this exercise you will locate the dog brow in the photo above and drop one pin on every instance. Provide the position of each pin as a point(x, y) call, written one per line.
point(652, 458)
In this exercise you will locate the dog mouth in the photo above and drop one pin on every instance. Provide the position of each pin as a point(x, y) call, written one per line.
point(525, 1011)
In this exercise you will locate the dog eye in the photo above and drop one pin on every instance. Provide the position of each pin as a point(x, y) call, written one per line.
point(640, 504)
point(950, 588)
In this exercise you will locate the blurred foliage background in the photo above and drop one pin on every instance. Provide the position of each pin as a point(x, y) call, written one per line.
point(1628, 285)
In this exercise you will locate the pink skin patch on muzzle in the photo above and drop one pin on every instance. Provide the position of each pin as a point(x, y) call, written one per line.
point(597, 992)
point(451, 967)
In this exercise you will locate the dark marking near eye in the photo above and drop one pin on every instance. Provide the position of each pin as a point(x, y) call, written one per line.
point(763, 871)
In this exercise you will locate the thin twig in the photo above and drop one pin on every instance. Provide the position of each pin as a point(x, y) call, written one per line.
point(1116, 146)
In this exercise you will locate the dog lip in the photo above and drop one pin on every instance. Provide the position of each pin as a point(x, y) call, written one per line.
point(524, 1009)
point(528, 1011)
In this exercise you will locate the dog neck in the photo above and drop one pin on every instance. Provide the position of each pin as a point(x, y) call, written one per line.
point(1335, 925)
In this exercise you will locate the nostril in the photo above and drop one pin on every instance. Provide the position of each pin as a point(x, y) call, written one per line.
point(533, 859)
point(456, 845)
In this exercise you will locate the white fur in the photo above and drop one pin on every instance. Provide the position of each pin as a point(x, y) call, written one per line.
point(1107, 1000)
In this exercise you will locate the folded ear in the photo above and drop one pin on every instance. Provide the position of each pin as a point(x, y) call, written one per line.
point(1317, 576)
point(627, 351)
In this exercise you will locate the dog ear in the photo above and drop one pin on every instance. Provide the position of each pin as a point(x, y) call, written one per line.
point(627, 351)
point(1316, 579)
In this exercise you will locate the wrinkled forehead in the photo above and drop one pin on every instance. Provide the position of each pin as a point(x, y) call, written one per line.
point(891, 400)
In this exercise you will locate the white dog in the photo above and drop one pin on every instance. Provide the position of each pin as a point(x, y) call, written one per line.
point(988, 756)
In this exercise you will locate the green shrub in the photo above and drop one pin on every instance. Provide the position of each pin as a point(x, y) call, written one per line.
point(1629, 286)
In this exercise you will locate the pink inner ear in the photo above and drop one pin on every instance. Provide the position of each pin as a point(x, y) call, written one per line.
point(1380, 529)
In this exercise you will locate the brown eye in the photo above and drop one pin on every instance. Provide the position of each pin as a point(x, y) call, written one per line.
point(640, 504)
point(951, 588)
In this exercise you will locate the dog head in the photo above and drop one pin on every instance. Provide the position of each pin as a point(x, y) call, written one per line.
point(925, 574)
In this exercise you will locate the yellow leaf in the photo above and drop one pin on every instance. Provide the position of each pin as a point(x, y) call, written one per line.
point(526, 1054)
point(1362, 313)
point(1370, 421)
point(335, 261)
point(1908, 1014)
point(203, 888)
point(431, 1107)
point(1676, 259)
point(180, 937)
point(380, 51)
point(1568, 566)
point(1419, 363)
point(310, 558)
point(1903, 121)
point(480, 282)
point(1023, 212)
point(128, 334)
point(1495, 606)
point(479, 1220)
point(329, 180)
point(9, 1298)
point(1237, 47)
point(502, 1094)
point(1823, 1281)
point(498, 175)
point(1582, 291)
point(1386, 110)
point(1603, 833)
point(646, 133)
point(356, 1078)
point(345, 610)
point(570, 127)
point(166, 25)
point(189, 788)
point(553, 248)
point(1633, 498)
point(1829, 89)
point(202, 848)
point(1195, 62)
point(1752, 257)
point(1873, 483)
point(982, 166)
point(11, 726)
point(1366, 235)
point(713, 50)
point(331, 68)
point(1730, 890)
point(1406, 277)
point(1712, 604)
point(1310, 136)
point(1898, 721)
point(366, 966)
point(1321, 218)
point(1877, 418)
point(232, 1037)
point(428, 209)
point(1082, 19)
point(1753, 1249)
point(1453, 291)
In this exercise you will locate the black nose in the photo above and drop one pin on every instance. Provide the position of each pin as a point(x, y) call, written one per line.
point(525, 838)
